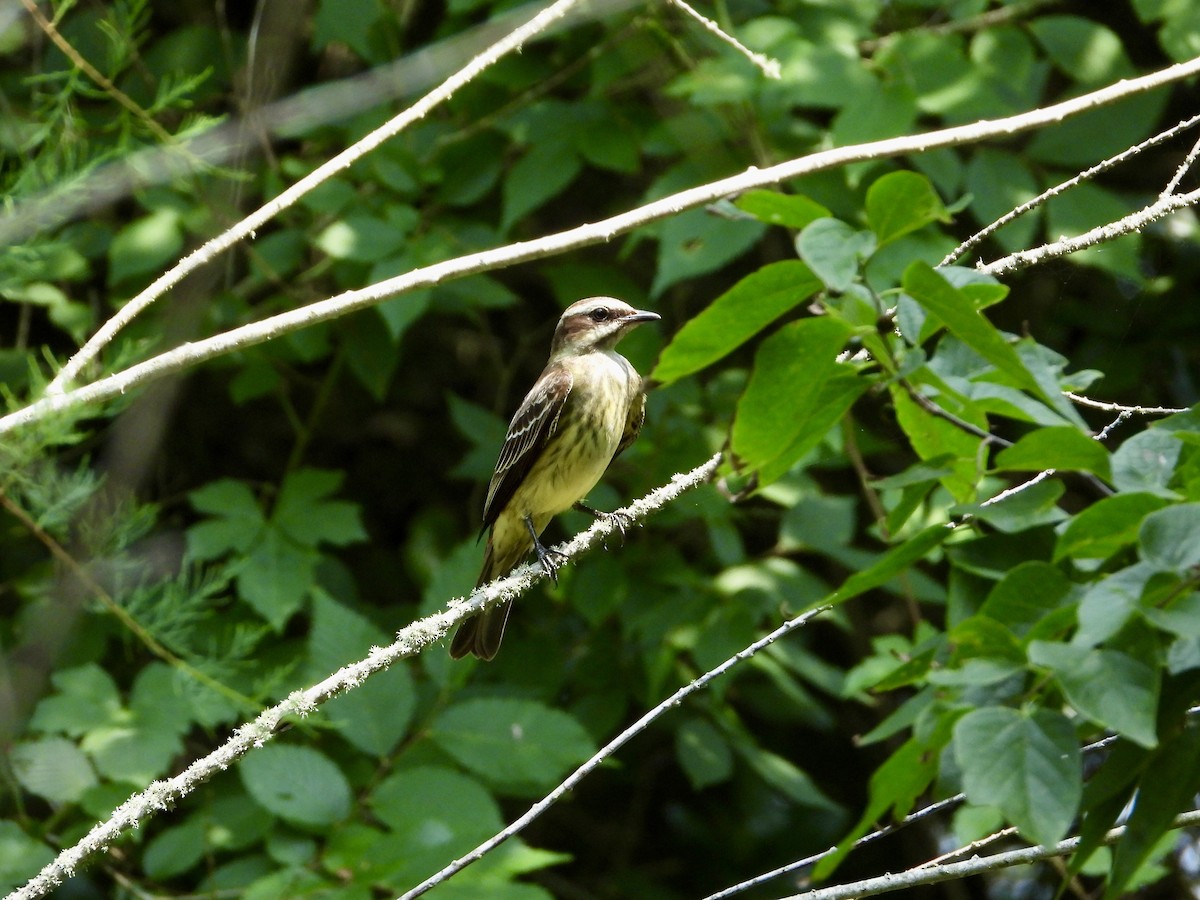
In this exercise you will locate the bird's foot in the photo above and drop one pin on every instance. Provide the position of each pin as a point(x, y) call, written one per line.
point(550, 559)
point(619, 521)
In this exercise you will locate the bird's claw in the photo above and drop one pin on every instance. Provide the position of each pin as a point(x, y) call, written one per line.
point(618, 520)
point(550, 560)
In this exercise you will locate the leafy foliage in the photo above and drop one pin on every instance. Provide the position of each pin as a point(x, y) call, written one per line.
point(1012, 576)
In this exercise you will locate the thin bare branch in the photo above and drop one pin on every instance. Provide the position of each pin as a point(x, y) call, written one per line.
point(769, 67)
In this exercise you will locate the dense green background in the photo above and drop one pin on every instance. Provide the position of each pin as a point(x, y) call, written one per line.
point(174, 562)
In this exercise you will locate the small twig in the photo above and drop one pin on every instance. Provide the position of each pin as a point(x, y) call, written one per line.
point(935, 410)
point(972, 847)
point(1016, 489)
point(1117, 407)
point(769, 67)
point(1188, 162)
point(982, 22)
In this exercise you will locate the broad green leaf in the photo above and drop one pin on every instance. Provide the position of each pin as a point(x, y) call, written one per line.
point(1146, 462)
point(1057, 447)
point(1170, 538)
point(1025, 595)
point(703, 753)
point(1081, 49)
point(1167, 788)
point(275, 578)
point(1106, 526)
point(891, 564)
point(145, 245)
point(537, 177)
point(137, 753)
point(965, 322)
point(375, 715)
point(837, 396)
point(298, 784)
point(1026, 765)
point(361, 237)
point(790, 370)
point(306, 516)
point(834, 251)
point(1109, 687)
point(774, 208)
point(901, 202)
point(735, 317)
point(234, 522)
point(1109, 603)
point(697, 242)
point(86, 697)
point(933, 438)
point(370, 351)
point(784, 776)
point(21, 857)
point(52, 768)
point(520, 746)
point(175, 850)
point(998, 182)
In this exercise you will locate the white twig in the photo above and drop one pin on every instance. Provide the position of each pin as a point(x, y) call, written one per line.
point(1117, 407)
point(581, 236)
point(162, 795)
point(608, 750)
point(247, 226)
point(1016, 489)
point(1130, 223)
point(979, 236)
point(884, 884)
point(769, 67)
point(1188, 162)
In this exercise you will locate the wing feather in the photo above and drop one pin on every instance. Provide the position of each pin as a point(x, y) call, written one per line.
point(531, 427)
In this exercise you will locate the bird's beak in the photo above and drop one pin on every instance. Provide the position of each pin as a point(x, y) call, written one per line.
point(640, 315)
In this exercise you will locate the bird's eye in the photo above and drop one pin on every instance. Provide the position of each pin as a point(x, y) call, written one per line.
point(599, 315)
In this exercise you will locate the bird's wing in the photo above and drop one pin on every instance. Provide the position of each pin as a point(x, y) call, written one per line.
point(633, 423)
point(531, 427)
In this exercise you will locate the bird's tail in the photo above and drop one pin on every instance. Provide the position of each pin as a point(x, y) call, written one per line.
point(481, 634)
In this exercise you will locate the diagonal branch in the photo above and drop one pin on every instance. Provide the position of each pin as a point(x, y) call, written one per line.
point(162, 795)
point(581, 236)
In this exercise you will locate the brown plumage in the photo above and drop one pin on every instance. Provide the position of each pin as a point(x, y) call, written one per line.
point(585, 408)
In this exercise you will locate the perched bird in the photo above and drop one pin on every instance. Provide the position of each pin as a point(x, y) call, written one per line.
point(586, 407)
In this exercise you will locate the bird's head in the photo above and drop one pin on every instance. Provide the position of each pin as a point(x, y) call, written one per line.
point(596, 323)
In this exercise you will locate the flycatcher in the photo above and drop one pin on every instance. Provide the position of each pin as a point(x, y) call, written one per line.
point(585, 408)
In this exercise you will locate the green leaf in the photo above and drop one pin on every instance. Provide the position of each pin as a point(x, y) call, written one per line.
point(888, 566)
point(361, 237)
point(136, 753)
point(703, 753)
point(235, 523)
point(520, 746)
point(145, 245)
point(274, 579)
point(175, 850)
point(834, 251)
point(1000, 181)
point(934, 438)
point(297, 784)
point(303, 513)
point(1025, 595)
point(902, 202)
point(53, 768)
point(837, 396)
point(21, 857)
point(1167, 788)
point(735, 317)
point(1056, 447)
point(537, 177)
point(1109, 687)
point(86, 698)
point(959, 315)
point(1170, 538)
point(1106, 526)
point(697, 242)
point(1146, 462)
point(1084, 51)
point(376, 714)
point(1026, 765)
point(790, 370)
point(774, 208)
